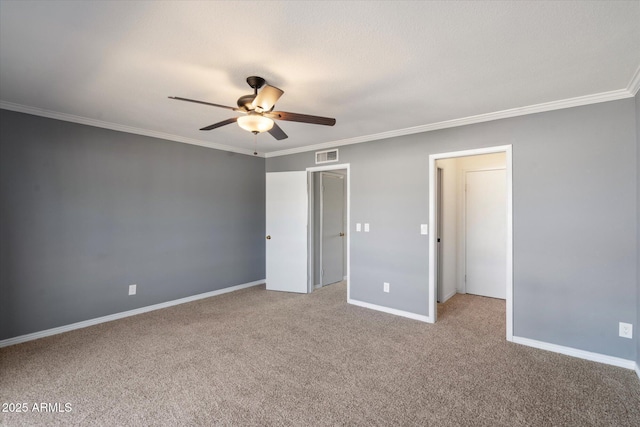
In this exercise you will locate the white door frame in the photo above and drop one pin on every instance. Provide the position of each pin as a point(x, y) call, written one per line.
point(432, 223)
point(310, 170)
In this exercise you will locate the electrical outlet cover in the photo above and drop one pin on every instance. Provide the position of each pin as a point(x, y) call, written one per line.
point(626, 330)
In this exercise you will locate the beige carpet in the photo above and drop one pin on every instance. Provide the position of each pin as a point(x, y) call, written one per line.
point(254, 357)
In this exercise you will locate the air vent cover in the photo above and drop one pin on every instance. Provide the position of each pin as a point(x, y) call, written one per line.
point(327, 156)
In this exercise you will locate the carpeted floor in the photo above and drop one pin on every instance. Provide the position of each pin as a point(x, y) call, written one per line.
point(254, 357)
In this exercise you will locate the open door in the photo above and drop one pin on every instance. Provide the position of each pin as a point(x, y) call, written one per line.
point(286, 228)
point(332, 212)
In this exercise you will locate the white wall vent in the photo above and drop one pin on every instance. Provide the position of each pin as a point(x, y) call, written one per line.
point(327, 156)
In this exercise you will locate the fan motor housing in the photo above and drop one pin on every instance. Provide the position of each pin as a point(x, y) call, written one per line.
point(245, 102)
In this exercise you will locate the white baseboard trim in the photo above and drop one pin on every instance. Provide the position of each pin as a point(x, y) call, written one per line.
point(393, 311)
point(581, 354)
point(116, 316)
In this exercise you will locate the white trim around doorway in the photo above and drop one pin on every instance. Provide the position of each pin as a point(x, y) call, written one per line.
point(346, 167)
point(432, 317)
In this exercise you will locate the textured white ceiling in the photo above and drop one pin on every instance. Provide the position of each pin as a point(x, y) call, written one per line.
point(374, 66)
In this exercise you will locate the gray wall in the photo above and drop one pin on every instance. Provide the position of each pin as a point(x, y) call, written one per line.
point(574, 183)
point(87, 211)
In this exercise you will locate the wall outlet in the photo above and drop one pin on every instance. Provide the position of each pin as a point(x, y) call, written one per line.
point(626, 330)
point(386, 286)
point(366, 227)
point(358, 226)
point(132, 289)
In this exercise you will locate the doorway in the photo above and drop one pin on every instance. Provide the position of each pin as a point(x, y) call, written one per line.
point(451, 173)
point(330, 227)
point(329, 213)
point(290, 232)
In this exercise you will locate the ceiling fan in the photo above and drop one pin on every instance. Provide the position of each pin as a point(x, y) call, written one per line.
point(258, 111)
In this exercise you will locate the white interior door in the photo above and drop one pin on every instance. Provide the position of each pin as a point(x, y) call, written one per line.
point(332, 249)
point(485, 230)
point(286, 227)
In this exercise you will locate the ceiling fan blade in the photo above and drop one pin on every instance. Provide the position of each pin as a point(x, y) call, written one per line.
point(267, 98)
point(277, 132)
point(205, 103)
point(303, 118)
point(219, 124)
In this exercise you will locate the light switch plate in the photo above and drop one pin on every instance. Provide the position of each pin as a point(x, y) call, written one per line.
point(424, 228)
point(366, 227)
point(358, 226)
point(132, 289)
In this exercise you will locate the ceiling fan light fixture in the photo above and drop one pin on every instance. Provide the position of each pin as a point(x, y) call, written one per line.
point(255, 123)
point(258, 105)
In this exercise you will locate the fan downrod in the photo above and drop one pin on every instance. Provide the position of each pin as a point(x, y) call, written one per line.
point(256, 83)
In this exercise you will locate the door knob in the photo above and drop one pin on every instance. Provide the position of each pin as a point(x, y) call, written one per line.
point(268, 237)
point(341, 234)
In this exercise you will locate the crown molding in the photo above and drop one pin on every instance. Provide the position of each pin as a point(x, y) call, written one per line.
point(480, 118)
point(615, 95)
point(634, 84)
point(121, 128)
